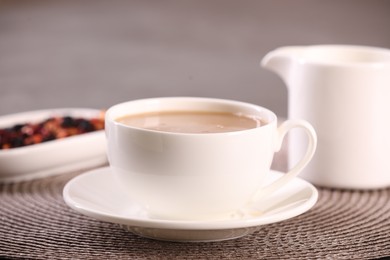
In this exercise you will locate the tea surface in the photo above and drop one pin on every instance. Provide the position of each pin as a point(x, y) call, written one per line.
point(192, 121)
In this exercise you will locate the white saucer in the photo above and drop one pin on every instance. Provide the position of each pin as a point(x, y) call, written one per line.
point(96, 194)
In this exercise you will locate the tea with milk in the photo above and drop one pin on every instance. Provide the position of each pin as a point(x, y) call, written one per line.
point(194, 122)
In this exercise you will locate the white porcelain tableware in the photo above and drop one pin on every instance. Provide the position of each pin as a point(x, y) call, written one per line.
point(344, 91)
point(197, 176)
point(96, 194)
point(53, 157)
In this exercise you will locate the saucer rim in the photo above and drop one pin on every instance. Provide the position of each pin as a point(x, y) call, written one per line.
point(145, 222)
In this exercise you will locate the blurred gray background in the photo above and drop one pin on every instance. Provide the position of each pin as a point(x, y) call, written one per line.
point(97, 53)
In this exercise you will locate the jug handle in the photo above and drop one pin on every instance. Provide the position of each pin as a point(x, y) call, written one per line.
point(292, 173)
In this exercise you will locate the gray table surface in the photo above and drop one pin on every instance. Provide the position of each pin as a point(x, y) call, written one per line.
point(37, 224)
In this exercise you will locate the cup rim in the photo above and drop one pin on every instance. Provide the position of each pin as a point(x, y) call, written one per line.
point(111, 114)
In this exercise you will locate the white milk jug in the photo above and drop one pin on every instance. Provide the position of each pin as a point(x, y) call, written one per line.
point(344, 92)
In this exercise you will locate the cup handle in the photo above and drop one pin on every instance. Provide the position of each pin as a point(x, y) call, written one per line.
point(311, 147)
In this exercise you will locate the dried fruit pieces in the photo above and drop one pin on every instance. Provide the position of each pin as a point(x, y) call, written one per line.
point(51, 129)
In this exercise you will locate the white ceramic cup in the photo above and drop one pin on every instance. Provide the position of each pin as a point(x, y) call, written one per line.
point(197, 176)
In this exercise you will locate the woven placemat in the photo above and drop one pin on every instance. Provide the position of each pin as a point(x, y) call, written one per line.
point(37, 224)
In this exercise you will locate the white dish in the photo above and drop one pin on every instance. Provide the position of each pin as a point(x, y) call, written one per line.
point(96, 194)
point(53, 157)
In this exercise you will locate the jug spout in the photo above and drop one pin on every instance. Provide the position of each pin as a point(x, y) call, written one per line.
point(281, 61)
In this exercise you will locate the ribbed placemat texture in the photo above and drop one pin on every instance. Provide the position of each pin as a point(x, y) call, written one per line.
point(37, 224)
